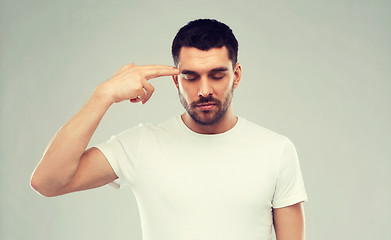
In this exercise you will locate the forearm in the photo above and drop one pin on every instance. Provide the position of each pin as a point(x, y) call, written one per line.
point(61, 158)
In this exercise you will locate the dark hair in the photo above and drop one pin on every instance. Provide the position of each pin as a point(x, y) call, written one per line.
point(205, 34)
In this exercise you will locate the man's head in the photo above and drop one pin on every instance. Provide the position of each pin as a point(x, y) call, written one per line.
point(205, 34)
point(205, 52)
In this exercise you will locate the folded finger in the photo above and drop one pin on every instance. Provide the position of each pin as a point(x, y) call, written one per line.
point(140, 95)
point(149, 89)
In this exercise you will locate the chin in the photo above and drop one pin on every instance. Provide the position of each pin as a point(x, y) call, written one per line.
point(206, 118)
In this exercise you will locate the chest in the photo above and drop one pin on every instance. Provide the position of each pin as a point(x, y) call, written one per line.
point(206, 177)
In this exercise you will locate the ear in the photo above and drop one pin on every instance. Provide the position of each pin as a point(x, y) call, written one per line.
point(237, 74)
point(175, 78)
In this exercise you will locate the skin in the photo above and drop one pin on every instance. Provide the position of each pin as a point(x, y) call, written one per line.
point(207, 74)
point(67, 166)
point(289, 222)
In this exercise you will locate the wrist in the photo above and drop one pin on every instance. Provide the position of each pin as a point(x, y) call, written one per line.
point(102, 95)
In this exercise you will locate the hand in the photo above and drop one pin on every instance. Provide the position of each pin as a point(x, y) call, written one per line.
point(131, 82)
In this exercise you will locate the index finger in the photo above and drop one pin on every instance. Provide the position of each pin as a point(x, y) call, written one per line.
point(154, 71)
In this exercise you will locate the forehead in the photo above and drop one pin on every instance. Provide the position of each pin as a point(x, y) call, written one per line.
point(194, 59)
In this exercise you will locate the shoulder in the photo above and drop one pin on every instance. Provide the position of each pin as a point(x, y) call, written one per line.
point(262, 134)
point(148, 129)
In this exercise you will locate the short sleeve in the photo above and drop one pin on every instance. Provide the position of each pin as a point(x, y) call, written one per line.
point(121, 152)
point(289, 188)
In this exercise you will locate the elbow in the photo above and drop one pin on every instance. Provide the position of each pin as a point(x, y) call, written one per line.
point(38, 186)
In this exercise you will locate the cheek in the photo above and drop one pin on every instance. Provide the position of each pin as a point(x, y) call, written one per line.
point(225, 88)
point(184, 90)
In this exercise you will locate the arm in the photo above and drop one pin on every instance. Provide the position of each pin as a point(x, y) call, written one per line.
point(66, 165)
point(289, 222)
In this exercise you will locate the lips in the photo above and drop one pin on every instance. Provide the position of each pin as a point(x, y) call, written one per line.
point(206, 106)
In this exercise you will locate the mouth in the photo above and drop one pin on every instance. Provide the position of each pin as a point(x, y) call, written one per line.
point(206, 106)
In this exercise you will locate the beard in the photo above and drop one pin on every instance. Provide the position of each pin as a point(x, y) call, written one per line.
point(209, 117)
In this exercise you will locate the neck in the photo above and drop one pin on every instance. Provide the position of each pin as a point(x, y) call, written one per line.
point(227, 122)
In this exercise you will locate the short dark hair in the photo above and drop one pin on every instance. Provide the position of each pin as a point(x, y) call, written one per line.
point(205, 34)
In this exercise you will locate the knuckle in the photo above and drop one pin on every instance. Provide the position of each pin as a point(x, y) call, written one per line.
point(137, 84)
point(140, 91)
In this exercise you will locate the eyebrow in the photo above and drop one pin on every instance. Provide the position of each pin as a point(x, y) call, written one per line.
point(188, 72)
point(214, 70)
point(220, 69)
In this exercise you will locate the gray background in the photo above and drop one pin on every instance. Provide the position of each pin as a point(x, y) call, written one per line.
point(316, 71)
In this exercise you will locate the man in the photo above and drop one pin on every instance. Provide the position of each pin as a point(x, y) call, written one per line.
point(206, 174)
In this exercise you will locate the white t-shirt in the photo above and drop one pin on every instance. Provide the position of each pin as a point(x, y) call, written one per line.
point(206, 186)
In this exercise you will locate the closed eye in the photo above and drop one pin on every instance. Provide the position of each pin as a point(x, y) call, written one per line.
point(217, 76)
point(190, 77)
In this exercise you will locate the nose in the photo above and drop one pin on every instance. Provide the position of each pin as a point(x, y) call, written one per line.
point(205, 88)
